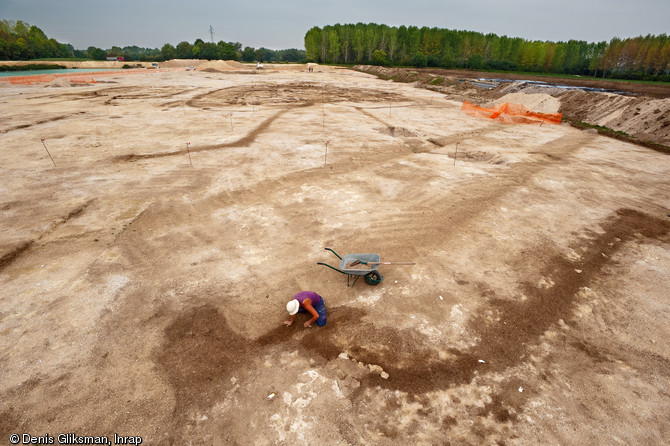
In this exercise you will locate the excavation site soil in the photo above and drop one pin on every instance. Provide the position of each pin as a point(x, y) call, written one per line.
point(155, 224)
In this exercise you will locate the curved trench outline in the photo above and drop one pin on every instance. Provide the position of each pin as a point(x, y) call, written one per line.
point(245, 141)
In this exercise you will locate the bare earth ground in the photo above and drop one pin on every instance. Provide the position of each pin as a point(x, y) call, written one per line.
point(143, 295)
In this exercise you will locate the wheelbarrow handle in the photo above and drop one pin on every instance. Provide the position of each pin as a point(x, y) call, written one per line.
point(338, 256)
point(331, 267)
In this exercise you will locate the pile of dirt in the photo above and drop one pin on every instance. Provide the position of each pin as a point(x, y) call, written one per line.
point(218, 65)
point(395, 74)
point(643, 117)
point(639, 114)
point(537, 102)
point(60, 82)
point(236, 64)
point(181, 63)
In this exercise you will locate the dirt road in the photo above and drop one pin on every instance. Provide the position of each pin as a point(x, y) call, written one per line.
point(144, 277)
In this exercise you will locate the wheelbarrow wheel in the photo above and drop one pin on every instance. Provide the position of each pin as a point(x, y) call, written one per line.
point(373, 278)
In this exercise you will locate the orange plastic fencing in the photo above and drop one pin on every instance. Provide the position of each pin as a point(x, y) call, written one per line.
point(511, 114)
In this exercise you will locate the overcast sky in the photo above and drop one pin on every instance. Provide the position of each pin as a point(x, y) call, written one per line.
point(282, 24)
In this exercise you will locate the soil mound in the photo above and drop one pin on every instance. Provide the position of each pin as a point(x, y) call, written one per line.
point(542, 103)
point(60, 82)
point(219, 65)
point(643, 117)
point(181, 63)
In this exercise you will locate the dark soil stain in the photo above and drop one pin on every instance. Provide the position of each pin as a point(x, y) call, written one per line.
point(414, 368)
point(397, 132)
point(42, 121)
point(522, 323)
point(14, 254)
point(245, 141)
point(200, 349)
point(295, 94)
point(195, 100)
point(19, 250)
point(10, 423)
point(370, 115)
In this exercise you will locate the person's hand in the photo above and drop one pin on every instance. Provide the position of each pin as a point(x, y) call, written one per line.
point(308, 323)
point(287, 323)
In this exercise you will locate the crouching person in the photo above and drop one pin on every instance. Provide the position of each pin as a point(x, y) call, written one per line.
point(307, 302)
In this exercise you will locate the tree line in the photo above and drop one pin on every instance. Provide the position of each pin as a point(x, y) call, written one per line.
point(21, 41)
point(644, 57)
point(229, 51)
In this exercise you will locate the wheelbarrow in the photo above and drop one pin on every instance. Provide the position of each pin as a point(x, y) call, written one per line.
point(356, 265)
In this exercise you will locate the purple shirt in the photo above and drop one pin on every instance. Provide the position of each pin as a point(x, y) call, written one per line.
point(311, 295)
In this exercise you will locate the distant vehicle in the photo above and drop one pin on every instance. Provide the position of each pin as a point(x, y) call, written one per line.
point(154, 65)
point(259, 66)
point(191, 68)
point(121, 59)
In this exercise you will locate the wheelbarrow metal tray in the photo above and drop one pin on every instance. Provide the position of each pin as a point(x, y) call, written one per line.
point(365, 269)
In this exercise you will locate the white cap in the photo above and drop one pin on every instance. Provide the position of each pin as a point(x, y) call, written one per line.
point(293, 306)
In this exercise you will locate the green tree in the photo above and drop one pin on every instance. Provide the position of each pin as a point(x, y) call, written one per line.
point(260, 54)
point(312, 44)
point(372, 39)
point(184, 50)
point(379, 57)
point(420, 60)
point(346, 37)
point(227, 51)
point(323, 44)
point(168, 52)
point(333, 46)
point(96, 53)
point(392, 43)
point(403, 44)
point(290, 55)
point(476, 62)
point(359, 43)
point(249, 54)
